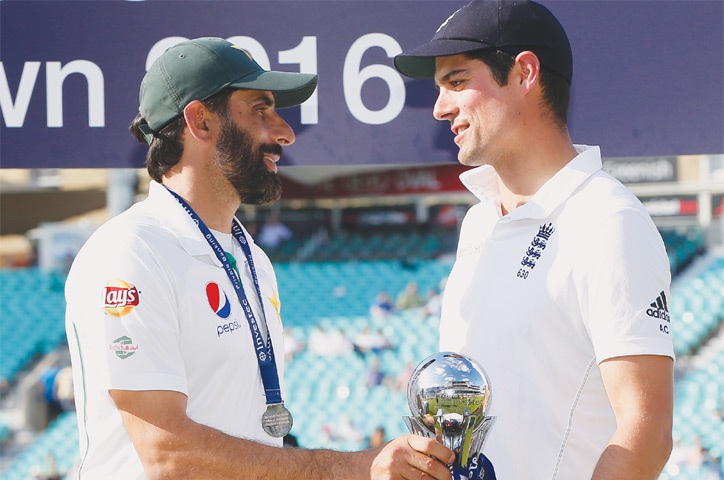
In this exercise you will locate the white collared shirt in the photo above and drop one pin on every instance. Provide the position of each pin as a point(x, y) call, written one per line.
point(540, 297)
point(149, 307)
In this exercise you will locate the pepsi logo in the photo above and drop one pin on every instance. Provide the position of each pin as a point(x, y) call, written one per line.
point(218, 301)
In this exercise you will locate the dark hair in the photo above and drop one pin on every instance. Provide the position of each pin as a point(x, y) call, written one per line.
point(556, 90)
point(167, 146)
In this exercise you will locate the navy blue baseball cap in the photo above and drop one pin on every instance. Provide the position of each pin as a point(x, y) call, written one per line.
point(511, 26)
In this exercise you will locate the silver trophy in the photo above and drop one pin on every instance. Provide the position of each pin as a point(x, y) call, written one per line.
point(448, 395)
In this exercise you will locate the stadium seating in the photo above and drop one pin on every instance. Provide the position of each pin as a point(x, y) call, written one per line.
point(323, 390)
point(32, 313)
point(382, 244)
point(682, 246)
point(310, 291)
point(697, 309)
point(59, 440)
point(699, 413)
point(5, 432)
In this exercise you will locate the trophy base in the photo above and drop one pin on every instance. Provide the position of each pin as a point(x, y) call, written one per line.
point(479, 468)
point(467, 446)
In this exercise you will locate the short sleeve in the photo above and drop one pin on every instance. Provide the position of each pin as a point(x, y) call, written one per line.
point(122, 307)
point(624, 287)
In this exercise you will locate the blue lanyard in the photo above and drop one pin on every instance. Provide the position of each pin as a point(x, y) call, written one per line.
point(264, 350)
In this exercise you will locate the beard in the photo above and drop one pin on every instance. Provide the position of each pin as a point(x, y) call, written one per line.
point(243, 165)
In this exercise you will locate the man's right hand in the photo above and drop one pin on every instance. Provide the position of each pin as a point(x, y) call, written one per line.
point(412, 457)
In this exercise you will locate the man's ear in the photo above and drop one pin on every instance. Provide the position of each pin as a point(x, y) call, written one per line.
point(528, 69)
point(198, 118)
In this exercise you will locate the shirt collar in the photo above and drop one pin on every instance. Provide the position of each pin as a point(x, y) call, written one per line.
point(173, 216)
point(483, 183)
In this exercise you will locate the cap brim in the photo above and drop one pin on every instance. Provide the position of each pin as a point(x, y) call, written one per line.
point(289, 88)
point(420, 62)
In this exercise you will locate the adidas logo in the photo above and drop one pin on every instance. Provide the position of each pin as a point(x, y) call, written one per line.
point(659, 308)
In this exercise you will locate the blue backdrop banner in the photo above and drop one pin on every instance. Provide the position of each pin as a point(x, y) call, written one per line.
point(648, 75)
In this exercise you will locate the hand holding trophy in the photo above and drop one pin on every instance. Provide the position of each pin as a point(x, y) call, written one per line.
point(448, 395)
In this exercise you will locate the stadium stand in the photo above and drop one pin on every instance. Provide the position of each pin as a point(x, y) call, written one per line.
point(382, 244)
point(5, 432)
point(328, 391)
point(58, 444)
point(683, 246)
point(699, 307)
point(32, 315)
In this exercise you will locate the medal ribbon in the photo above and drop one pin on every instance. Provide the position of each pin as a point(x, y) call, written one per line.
point(264, 350)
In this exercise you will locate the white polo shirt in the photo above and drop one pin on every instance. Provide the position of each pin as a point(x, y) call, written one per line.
point(544, 294)
point(149, 307)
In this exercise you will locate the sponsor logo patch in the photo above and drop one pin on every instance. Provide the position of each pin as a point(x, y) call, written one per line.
point(535, 250)
point(119, 298)
point(123, 347)
point(659, 308)
point(277, 304)
point(218, 300)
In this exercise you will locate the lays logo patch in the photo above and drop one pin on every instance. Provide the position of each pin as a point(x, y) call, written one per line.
point(119, 298)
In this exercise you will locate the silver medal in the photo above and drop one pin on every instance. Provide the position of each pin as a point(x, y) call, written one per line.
point(277, 420)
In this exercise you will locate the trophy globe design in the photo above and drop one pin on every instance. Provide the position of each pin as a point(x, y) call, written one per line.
point(448, 395)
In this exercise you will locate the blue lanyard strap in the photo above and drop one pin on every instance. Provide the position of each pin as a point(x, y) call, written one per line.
point(264, 350)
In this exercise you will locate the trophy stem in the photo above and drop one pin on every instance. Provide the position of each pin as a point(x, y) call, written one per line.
point(456, 431)
point(465, 448)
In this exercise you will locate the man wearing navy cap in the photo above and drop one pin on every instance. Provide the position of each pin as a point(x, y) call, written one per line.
point(173, 312)
point(561, 281)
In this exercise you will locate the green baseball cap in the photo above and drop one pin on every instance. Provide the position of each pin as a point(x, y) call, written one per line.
point(199, 68)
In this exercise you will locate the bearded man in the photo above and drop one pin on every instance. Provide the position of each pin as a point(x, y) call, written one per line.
point(173, 312)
